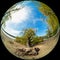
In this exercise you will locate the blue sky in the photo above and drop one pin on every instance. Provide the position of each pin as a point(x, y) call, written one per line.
point(33, 19)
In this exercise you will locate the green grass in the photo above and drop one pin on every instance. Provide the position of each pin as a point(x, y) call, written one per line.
point(21, 40)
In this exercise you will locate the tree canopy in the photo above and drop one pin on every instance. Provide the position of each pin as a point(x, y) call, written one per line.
point(29, 38)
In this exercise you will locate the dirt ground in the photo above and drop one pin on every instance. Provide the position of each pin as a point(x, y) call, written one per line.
point(45, 47)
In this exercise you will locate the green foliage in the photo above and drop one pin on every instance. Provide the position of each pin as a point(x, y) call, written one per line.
point(53, 23)
point(36, 40)
point(45, 9)
point(29, 32)
point(52, 19)
point(21, 40)
point(29, 38)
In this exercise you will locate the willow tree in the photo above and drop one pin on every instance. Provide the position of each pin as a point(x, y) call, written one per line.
point(29, 34)
point(26, 38)
point(29, 38)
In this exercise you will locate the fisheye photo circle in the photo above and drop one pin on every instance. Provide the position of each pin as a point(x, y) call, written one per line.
point(29, 30)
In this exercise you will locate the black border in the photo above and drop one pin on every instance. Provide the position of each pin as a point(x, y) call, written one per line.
point(6, 4)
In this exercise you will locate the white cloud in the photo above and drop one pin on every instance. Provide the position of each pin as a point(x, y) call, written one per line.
point(20, 15)
point(12, 31)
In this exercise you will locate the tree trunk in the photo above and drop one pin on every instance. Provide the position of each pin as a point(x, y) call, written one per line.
point(29, 42)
